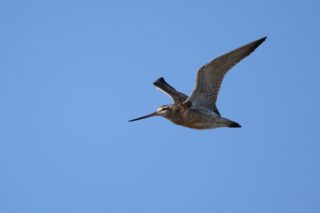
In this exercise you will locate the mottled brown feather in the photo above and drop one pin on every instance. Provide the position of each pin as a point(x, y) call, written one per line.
point(210, 76)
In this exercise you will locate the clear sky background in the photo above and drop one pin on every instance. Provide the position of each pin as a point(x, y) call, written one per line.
point(72, 74)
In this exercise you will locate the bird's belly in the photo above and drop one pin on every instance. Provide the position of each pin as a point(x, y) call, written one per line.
point(197, 120)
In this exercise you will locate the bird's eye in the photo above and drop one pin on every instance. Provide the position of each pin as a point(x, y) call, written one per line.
point(163, 109)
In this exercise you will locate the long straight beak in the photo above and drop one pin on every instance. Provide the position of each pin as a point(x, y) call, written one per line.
point(143, 117)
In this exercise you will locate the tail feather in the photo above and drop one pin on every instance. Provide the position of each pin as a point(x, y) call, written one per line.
point(233, 124)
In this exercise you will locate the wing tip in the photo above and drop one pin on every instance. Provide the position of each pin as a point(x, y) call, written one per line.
point(159, 80)
point(261, 40)
point(255, 44)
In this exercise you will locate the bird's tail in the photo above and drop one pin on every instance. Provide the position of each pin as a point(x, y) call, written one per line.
point(233, 124)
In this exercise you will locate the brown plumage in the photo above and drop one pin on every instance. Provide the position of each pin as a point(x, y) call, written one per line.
point(199, 111)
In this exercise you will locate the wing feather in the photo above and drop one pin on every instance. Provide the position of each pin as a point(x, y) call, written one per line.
point(177, 97)
point(210, 76)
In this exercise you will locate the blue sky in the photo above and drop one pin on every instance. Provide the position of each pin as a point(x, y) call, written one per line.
point(72, 74)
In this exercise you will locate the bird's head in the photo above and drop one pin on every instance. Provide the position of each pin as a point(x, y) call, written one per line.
point(161, 111)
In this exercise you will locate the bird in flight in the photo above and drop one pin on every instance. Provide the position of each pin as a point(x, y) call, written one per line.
point(199, 110)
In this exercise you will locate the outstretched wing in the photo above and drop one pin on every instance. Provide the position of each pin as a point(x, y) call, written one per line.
point(210, 76)
point(176, 96)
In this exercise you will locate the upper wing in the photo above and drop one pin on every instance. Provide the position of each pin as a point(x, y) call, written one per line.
point(210, 76)
point(176, 96)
